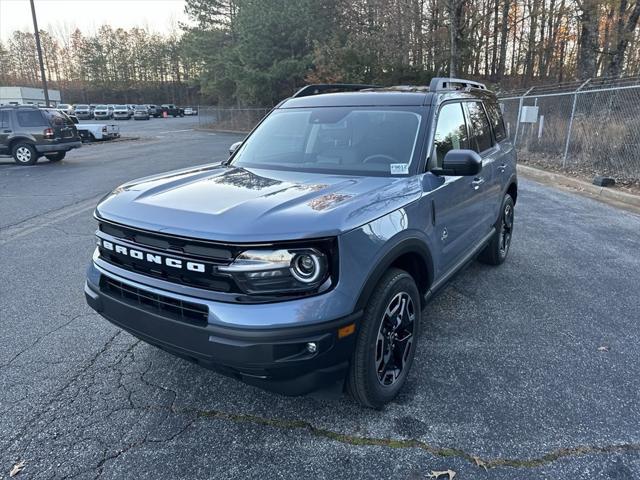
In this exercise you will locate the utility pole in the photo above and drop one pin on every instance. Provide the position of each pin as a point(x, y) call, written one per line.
point(43, 76)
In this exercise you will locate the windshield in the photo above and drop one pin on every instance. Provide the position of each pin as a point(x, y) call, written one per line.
point(63, 105)
point(350, 140)
point(121, 107)
point(82, 107)
point(102, 107)
point(141, 107)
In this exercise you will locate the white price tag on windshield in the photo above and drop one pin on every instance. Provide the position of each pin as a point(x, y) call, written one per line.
point(399, 168)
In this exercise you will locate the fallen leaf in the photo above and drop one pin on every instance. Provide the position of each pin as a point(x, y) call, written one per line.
point(438, 474)
point(17, 468)
point(480, 463)
point(603, 349)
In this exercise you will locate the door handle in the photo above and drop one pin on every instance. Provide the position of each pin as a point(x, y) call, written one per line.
point(502, 168)
point(477, 182)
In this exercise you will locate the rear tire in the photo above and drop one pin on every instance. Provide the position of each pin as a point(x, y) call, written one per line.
point(24, 154)
point(386, 341)
point(495, 253)
point(56, 157)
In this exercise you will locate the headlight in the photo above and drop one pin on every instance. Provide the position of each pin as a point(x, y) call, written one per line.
point(279, 270)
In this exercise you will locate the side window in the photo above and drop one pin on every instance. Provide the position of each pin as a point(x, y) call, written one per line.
point(495, 117)
point(480, 131)
point(4, 118)
point(451, 132)
point(31, 118)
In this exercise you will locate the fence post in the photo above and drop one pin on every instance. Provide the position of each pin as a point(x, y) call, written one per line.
point(515, 137)
point(573, 111)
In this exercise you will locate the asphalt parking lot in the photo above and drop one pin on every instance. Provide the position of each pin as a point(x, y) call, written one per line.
point(531, 369)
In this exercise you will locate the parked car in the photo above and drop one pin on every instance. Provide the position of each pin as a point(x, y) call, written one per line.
point(103, 112)
point(172, 110)
point(91, 132)
point(121, 112)
point(155, 111)
point(190, 111)
point(306, 258)
point(28, 133)
point(83, 112)
point(141, 113)
point(65, 108)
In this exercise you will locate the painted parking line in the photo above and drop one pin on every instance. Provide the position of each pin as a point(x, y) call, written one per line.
point(177, 131)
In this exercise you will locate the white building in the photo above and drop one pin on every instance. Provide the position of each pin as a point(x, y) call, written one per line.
point(27, 96)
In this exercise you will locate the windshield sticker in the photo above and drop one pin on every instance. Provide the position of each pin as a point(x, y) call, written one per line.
point(399, 168)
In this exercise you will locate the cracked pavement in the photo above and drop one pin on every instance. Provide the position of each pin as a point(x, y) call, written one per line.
point(508, 371)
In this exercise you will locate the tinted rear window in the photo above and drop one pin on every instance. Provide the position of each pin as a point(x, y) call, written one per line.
point(57, 118)
point(497, 122)
point(31, 118)
point(479, 127)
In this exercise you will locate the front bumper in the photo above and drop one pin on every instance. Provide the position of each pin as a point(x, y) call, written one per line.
point(275, 359)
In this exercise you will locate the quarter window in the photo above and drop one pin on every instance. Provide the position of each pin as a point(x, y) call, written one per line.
point(31, 118)
point(480, 131)
point(4, 119)
point(495, 117)
point(451, 132)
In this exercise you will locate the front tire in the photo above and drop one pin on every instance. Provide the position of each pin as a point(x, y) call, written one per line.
point(24, 154)
point(495, 253)
point(386, 341)
point(56, 157)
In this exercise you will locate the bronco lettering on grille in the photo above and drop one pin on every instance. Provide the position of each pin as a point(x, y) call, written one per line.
point(153, 258)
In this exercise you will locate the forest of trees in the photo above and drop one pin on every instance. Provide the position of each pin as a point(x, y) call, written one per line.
point(255, 52)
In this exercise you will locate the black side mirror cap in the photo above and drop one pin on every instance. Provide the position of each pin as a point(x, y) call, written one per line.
point(459, 163)
point(234, 147)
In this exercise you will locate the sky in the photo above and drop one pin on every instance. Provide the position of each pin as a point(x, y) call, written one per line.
point(63, 16)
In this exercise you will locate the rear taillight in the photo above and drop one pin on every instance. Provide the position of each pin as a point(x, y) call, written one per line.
point(48, 133)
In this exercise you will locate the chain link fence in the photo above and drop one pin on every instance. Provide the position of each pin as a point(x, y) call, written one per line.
point(588, 128)
point(231, 119)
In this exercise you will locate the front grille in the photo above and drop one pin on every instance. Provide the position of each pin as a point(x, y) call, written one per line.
point(216, 252)
point(205, 253)
point(181, 310)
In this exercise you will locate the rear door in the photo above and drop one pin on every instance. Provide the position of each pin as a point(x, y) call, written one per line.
point(485, 185)
point(505, 164)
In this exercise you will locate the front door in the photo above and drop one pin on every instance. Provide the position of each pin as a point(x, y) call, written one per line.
point(453, 198)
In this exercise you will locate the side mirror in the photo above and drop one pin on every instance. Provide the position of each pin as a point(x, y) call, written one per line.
point(460, 163)
point(234, 147)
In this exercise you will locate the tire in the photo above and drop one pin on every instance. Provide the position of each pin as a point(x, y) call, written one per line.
point(379, 364)
point(56, 157)
point(24, 154)
point(495, 253)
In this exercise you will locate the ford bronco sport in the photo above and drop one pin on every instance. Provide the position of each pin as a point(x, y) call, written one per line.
point(307, 256)
point(27, 133)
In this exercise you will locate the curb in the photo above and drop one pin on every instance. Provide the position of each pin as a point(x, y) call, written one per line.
point(602, 193)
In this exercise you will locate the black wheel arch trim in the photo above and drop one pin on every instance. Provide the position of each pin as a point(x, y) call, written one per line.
point(21, 139)
point(408, 244)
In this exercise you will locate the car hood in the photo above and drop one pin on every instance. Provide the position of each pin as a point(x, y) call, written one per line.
point(227, 203)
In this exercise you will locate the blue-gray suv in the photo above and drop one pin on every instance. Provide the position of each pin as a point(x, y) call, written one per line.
point(305, 258)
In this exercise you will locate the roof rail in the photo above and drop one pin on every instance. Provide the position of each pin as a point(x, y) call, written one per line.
point(446, 83)
point(320, 88)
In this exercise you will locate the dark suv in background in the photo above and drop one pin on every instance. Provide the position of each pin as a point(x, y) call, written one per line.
point(307, 257)
point(27, 133)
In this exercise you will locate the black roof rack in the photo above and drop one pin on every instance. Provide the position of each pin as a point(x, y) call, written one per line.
point(320, 88)
point(446, 83)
